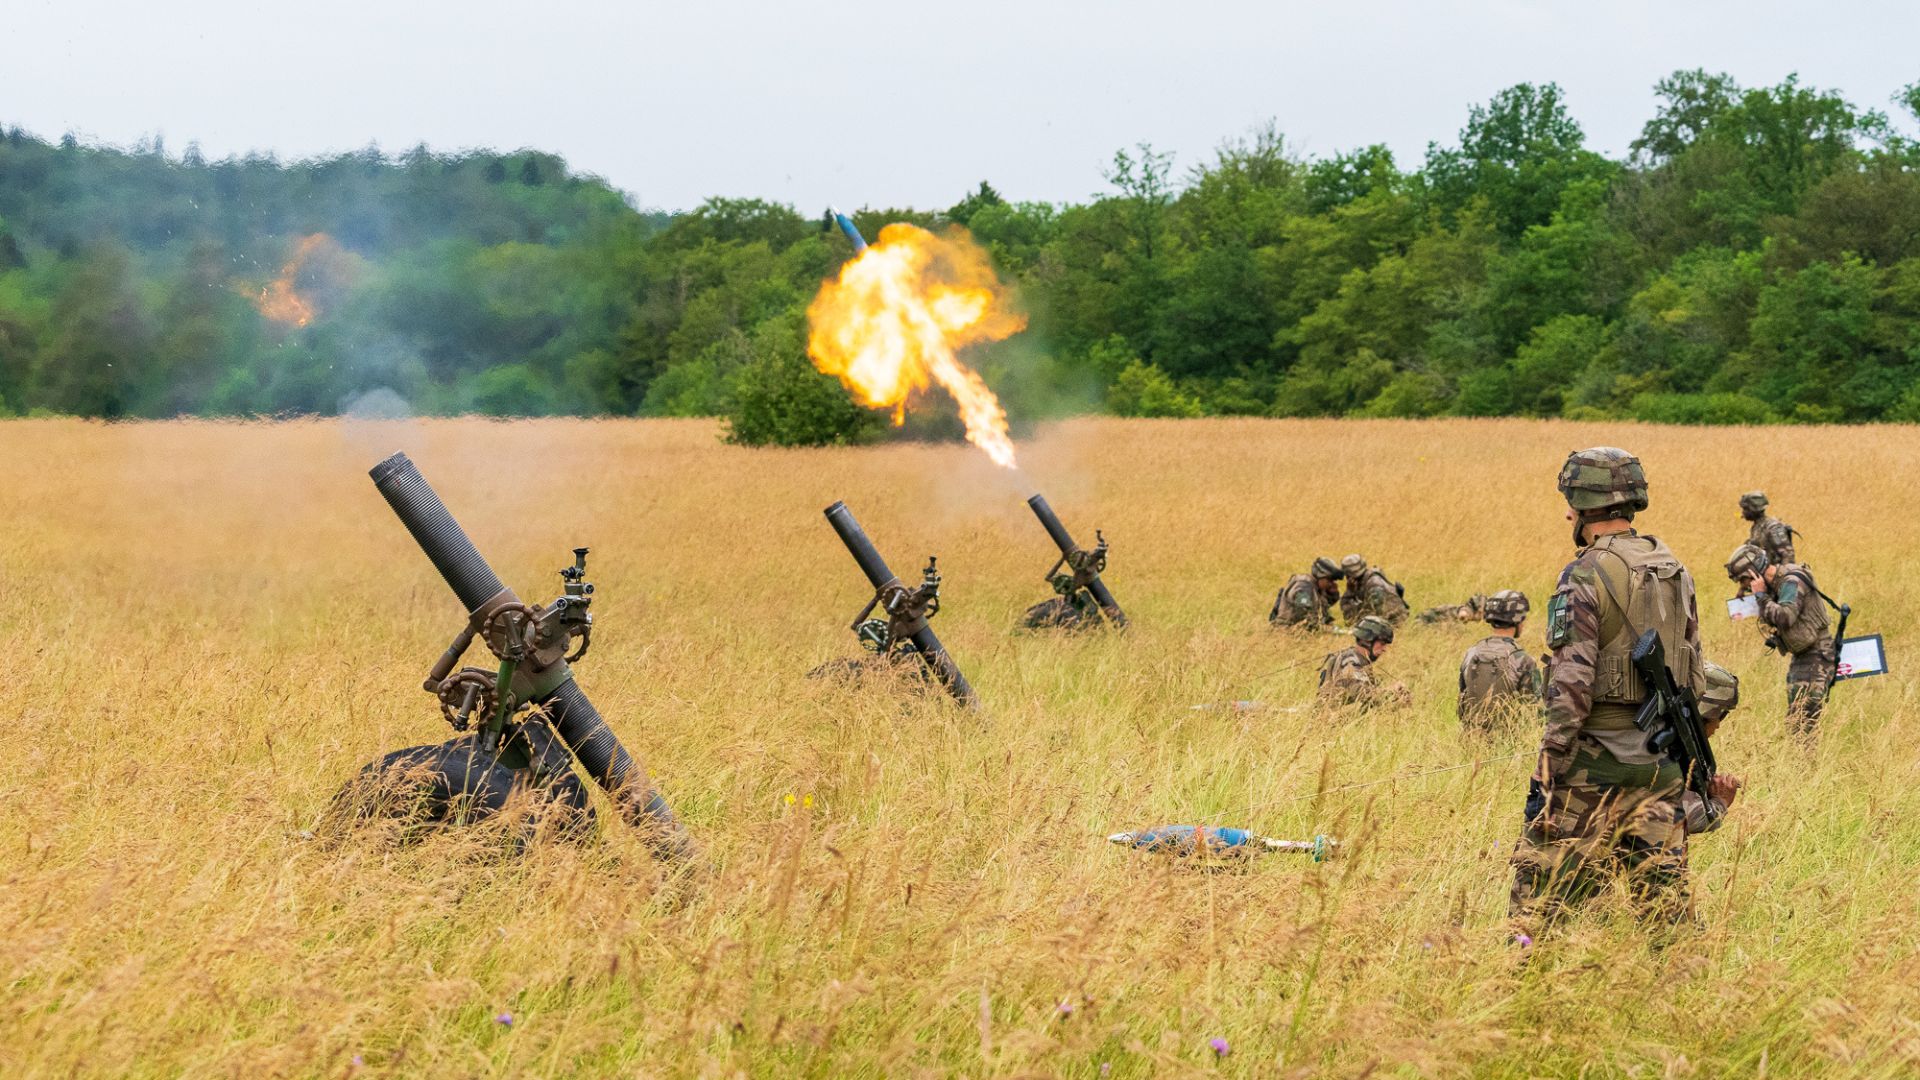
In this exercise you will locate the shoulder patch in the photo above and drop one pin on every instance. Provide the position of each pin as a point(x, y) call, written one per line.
point(1559, 620)
point(1789, 589)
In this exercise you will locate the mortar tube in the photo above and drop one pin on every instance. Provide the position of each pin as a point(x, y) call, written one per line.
point(573, 717)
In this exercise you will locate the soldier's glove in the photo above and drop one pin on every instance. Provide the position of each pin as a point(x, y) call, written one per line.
point(1536, 801)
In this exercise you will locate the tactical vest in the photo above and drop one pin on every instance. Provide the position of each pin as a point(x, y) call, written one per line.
point(1284, 607)
point(1810, 627)
point(1642, 587)
point(1487, 677)
point(1335, 662)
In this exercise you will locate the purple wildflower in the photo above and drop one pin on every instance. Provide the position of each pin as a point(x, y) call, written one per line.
point(1066, 1007)
point(505, 1019)
point(358, 1061)
point(1219, 1046)
point(1523, 941)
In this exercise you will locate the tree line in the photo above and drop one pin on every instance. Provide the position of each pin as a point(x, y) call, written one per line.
point(1755, 258)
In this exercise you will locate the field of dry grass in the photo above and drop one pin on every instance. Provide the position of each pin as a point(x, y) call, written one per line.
point(212, 625)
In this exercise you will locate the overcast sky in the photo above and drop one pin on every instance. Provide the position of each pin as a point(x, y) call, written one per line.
point(886, 103)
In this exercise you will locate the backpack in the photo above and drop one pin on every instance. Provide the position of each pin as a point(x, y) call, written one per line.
point(1484, 679)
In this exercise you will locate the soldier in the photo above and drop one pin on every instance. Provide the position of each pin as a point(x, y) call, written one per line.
point(1791, 605)
point(1769, 533)
point(1346, 677)
point(1473, 610)
point(1369, 592)
point(1722, 693)
point(1499, 682)
point(1305, 599)
point(1600, 803)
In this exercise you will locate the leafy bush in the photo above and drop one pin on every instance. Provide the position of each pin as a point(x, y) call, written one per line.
point(1702, 409)
point(1145, 390)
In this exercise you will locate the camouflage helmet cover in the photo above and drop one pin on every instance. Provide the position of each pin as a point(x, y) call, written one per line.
point(1324, 569)
point(1753, 502)
point(1602, 478)
point(1372, 628)
point(1507, 607)
point(1353, 566)
point(1720, 693)
point(1746, 559)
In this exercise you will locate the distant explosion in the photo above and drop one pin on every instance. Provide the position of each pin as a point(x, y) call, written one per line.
point(282, 299)
point(890, 325)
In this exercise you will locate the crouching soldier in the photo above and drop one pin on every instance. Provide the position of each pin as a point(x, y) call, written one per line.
point(1306, 600)
point(1370, 592)
point(1717, 699)
point(1499, 682)
point(1346, 677)
point(1792, 609)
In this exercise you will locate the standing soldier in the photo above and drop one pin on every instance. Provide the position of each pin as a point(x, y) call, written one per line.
point(1499, 682)
point(1305, 598)
point(1369, 592)
point(1722, 693)
point(1791, 606)
point(1346, 677)
point(1600, 803)
point(1769, 533)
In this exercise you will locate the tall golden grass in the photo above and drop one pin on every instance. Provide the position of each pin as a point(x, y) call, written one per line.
point(208, 627)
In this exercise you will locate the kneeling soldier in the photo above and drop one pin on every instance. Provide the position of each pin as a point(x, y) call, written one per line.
point(1499, 682)
point(1721, 694)
point(1791, 606)
point(1346, 677)
point(1370, 592)
point(1304, 600)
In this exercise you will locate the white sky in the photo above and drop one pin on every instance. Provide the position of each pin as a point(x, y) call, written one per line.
point(887, 103)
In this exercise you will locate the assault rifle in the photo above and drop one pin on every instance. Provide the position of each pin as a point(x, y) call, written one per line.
point(1671, 719)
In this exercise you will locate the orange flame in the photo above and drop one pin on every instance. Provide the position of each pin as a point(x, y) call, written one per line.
point(893, 321)
point(279, 300)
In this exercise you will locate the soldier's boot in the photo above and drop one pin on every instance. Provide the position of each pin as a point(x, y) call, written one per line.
point(1805, 702)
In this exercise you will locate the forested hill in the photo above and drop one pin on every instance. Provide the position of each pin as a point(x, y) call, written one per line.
point(1756, 258)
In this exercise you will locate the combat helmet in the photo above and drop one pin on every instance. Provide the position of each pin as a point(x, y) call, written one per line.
point(1719, 694)
point(1746, 559)
point(1603, 482)
point(1506, 608)
point(1753, 504)
point(1372, 628)
point(1324, 569)
point(1353, 566)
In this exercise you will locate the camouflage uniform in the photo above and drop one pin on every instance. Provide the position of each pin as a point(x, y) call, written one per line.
point(1792, 608)
point(1600, 804)
point(1369, 592)
point(1471, 611)
point(1499, 682)
point(1301, 602)
point(1515, 690)
point(1769, 533)
point(1346, 677)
